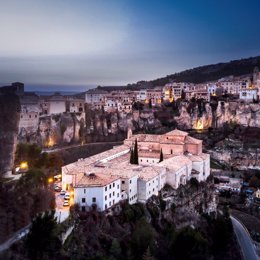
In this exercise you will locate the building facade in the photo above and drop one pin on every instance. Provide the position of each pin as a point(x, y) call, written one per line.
point(112, 172)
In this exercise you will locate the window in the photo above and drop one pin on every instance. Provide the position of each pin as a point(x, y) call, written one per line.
point(93, 199)
point(35, 116)
point(113, 193)
point(84, 191)
point(105, 188)
point(123, 182)
point(83, 208)
point(171, 151)
point(130, 181)
point(118, 195)
point(105, 206)
point(110, 186)
point(105, 197)
point(113, 184)
point(113, 201)
point(110, 203)
point(109, 195)
point(130, 190)
point(118, 186)
point(83, 200)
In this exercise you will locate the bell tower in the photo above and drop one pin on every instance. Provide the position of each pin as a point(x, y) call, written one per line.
point(129, 133)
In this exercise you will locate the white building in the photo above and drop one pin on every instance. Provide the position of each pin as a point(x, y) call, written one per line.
point(95, 96)
point(102, 190)
point(55, 104)
point(142, 95)
point(30, 112)
point(183, 159)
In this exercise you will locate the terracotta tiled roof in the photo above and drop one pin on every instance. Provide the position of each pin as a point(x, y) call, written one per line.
point(96, 180)
point(177, 132)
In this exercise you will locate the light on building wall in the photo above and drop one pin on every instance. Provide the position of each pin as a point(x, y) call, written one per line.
point(24, 165)
point(50, 142)
point(50, 180)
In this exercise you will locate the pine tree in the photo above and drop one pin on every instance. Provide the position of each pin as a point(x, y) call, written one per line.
point(131, 156)
point(135, 153)
point(161, 156)
point(150, 103)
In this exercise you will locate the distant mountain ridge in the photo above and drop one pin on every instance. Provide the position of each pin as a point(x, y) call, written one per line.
point(207, 73)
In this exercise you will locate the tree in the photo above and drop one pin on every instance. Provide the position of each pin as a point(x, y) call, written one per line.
point(142, 237)
point(41, 241)
point(131, 156)
point(115, 249)
point(183, 95)
point(161, 156)
point(150, 103)
point(135, 152)
point(190, 244)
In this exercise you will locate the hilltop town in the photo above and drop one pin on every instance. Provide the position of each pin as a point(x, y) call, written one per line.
point(165, 153)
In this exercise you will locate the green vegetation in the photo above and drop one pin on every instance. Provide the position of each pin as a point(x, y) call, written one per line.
point(42, 242)
point(21, 201)
point(135, 157)
point(214, 164)
point(50, 163)
point(131, 156)
point(161, 156)
point(190, 244)
point(209, 72)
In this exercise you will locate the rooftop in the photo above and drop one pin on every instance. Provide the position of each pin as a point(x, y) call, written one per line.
point(96, 179)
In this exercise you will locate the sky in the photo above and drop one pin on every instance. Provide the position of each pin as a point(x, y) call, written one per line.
point(73, 45)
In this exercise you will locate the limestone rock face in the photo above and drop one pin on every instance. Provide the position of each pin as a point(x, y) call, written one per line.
point(185, 119)
point(226, 112)
point(9, 120)
point(55, 130)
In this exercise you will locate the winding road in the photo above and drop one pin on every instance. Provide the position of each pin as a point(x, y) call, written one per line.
point(246, 245)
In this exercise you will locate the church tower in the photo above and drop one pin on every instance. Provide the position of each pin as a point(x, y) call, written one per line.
point(129, 133)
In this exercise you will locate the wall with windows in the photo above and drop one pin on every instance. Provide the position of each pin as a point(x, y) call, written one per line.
point(104, 197)
point(88, 196)
point(147, 160)
point(112, 194)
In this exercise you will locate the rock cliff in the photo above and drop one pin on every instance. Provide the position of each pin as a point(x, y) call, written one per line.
point(55, 130)
point(9, 118)
point(215, 115)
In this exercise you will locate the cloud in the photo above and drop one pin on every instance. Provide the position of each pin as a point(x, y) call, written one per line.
point(38, 28)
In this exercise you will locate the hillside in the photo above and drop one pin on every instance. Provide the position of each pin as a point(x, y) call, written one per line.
point(207, 73)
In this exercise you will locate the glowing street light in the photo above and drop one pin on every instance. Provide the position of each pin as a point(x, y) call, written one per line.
point(50, 180)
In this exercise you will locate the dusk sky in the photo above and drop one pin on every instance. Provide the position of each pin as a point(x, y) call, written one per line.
point(72, 45)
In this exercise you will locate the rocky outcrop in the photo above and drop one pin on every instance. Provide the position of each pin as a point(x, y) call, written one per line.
point(9, 119)
point(55, 130)
point(104, 124)
point(245, 114)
